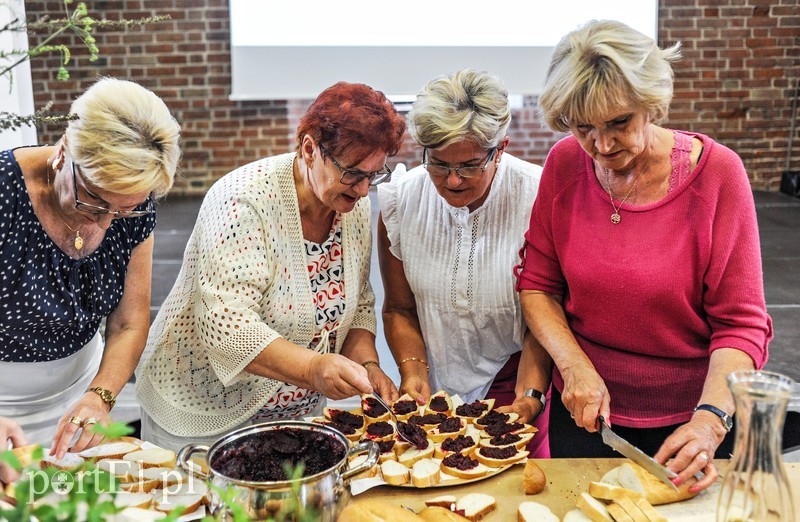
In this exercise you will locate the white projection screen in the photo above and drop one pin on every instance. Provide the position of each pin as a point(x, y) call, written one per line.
point(287, 50)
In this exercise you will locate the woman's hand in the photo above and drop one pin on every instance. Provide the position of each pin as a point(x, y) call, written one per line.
point(417, 386)
point(382, 384)
point(337, 377)
point(11, 431)
point(82, 416)
point(693, 446)
point(585, 395)
point(528, 408)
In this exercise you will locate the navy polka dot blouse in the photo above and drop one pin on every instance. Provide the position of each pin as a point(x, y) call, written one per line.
point(52, 305)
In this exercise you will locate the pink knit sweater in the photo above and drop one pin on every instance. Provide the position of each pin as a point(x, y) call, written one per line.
point(650, 298)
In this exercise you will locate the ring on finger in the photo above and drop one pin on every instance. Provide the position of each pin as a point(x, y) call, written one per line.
point(90, 420)
point(77, 421)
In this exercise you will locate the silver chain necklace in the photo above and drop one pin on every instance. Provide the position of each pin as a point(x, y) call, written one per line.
point(615, 217)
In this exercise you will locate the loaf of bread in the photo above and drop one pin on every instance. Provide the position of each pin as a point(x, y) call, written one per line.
point(633, 477)
point(533, 478)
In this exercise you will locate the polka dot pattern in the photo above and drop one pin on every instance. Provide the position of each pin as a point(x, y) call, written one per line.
point(244, 283)
point(52, 305)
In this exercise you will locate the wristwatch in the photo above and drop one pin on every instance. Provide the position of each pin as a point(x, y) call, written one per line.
point(105, 395)
point(727, 420)
point(536, 394)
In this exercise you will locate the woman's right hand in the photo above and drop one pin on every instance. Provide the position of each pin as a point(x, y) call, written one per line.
point(585, 395)
point(337, 377)
point(417, 386)
point(10, 430)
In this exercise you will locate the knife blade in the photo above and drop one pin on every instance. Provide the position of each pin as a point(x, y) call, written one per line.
point(635, 454)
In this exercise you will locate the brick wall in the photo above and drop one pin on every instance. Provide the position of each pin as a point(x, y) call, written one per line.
point(735, 83)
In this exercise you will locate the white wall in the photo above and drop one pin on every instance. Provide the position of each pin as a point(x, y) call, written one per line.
point(17, 97)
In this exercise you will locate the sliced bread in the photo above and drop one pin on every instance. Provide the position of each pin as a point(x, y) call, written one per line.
point(535, 512)
point(395, 473)
point(576, 515)
point(413, 454)
point(475, 506)
point(126, 499)
point(488, 457)
point(593, 508)
point(165, 503)
point(425, 473)
point(124, 470)
point(445, 501)
point(69, 462)
point(440, 402)
point(136, 514)
point(111, 450)
point(152, 458)
point(634, 477)
point(440, 514)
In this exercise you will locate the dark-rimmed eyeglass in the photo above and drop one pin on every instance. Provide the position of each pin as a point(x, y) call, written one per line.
point(441, 170)
point(354, 177)
point(150, 206)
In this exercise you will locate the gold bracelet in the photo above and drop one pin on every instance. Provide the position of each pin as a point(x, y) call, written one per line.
point(370, 363)
point(417, 359)
point(105, 395)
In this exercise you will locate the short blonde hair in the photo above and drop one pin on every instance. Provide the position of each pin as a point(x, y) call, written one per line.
point(124, 139)
point(605, 64)
point(468, 105)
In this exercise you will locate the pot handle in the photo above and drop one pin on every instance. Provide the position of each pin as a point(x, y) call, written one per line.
point(372, 458)
point(190, 467)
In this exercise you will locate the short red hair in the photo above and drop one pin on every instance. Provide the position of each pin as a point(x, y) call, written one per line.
point(353, 121)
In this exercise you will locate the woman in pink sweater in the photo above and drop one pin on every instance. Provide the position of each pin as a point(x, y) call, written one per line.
point(641, 270)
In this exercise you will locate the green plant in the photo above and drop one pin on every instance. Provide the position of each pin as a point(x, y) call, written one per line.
point(75, 21)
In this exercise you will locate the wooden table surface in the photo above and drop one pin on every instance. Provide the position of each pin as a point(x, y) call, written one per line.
point(566, 480)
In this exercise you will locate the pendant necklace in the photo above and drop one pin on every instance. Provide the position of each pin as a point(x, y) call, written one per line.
point(78, 241)
point(615, 217)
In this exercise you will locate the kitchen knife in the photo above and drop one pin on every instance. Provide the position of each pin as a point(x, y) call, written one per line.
point(635, 454)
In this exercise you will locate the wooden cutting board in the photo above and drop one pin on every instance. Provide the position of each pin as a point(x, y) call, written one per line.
point(566, 480)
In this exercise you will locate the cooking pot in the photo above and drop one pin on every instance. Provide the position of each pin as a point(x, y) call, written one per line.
point(322, 495)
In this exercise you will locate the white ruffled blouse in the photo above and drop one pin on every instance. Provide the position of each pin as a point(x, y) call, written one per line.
point(460, 267)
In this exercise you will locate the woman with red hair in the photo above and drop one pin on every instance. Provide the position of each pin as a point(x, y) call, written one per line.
point(273, 311)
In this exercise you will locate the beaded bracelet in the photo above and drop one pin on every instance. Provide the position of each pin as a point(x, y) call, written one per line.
point(370, 363)
point(417, 359)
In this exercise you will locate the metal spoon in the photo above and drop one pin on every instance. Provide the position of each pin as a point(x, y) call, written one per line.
point(394, 417)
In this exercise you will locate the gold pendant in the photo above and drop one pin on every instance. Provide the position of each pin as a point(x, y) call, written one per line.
point(615, 218)
point(78, 240)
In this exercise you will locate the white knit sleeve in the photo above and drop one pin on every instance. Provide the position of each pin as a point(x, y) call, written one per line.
point(365, 311)
point(387, 201)
point(234, 269)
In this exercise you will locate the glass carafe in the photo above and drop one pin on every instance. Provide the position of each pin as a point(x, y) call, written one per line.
point(755, 488)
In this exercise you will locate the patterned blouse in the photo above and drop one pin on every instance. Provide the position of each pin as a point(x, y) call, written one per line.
point(53, 304)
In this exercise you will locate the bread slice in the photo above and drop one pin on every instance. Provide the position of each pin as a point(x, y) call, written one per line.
point(524, 440)
point(189, 487)
point(634, 477)
point(166, 503)
point(152, 458)
point(357, 461)
point(142, 486)
point(479, 470)
point(593, 508)
point(440, 514)
point(135, 514)
point(413, 454)
point(111, 450)
point(632, 509)
point(167, 476)
point(487, 431)
point(395, 473)
point(461, 410)
point(445, 501)
point(650, 511)
point(399, 409)
point(70, 461)
point(576, 515)
point(440, 402)
point(425, 473)
point(492, 462)
point(24, 454)
point(618, 513)
point(475, 506)
point(535, 512)
point(124, 470)
point(126, 499)
point(610, 492)
point(533, 478)
point(436, 435)
point(370, 408)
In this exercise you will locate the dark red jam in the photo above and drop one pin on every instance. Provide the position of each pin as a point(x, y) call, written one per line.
point(505, 439)
point(459, 443)
point(345, 418)
point(379, 429)
point(459, 461)
point(373, 408)
point(430, 419)
point(439, 403)
point(501, 428)
point(472, 409)
point(413, 434)
point(493, 417)
point(386, 446)
point(263, 456)
point(347, 430)
point(404, 407)
point(499, 453)
point(450, 425)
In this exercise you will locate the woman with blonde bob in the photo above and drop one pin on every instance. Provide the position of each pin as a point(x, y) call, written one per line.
point(448, 239)
point(76, 222)
point(641, 271)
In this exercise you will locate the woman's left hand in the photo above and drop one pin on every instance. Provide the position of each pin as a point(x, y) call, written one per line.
point(527, 408)
point(382, 384)
point(82, 416)
point(693, 446)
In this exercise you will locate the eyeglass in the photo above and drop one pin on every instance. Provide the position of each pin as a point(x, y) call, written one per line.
point(98, 210)
point(354, 177)
point(465, 172)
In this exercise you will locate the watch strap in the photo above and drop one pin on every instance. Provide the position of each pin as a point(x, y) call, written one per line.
point(107, 396)
point(727, 420)
point(541, 397)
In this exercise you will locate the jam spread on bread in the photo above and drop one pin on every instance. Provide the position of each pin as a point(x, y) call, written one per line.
point(404, 407)
point(459, 461)
point(413, 434)
point(502, 428)
point(450, 425)
point(493, 417)
point(459, 443)
point(379, 429)
point(472, 409)
point(499, 453)
point(505, 439)
point(373, 408)
point(439, 404)
point(430, 418)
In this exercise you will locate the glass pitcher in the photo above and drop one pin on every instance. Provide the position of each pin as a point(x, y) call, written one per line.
point(756, 488)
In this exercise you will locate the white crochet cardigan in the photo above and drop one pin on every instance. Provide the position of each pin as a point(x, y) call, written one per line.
point(243, 284)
